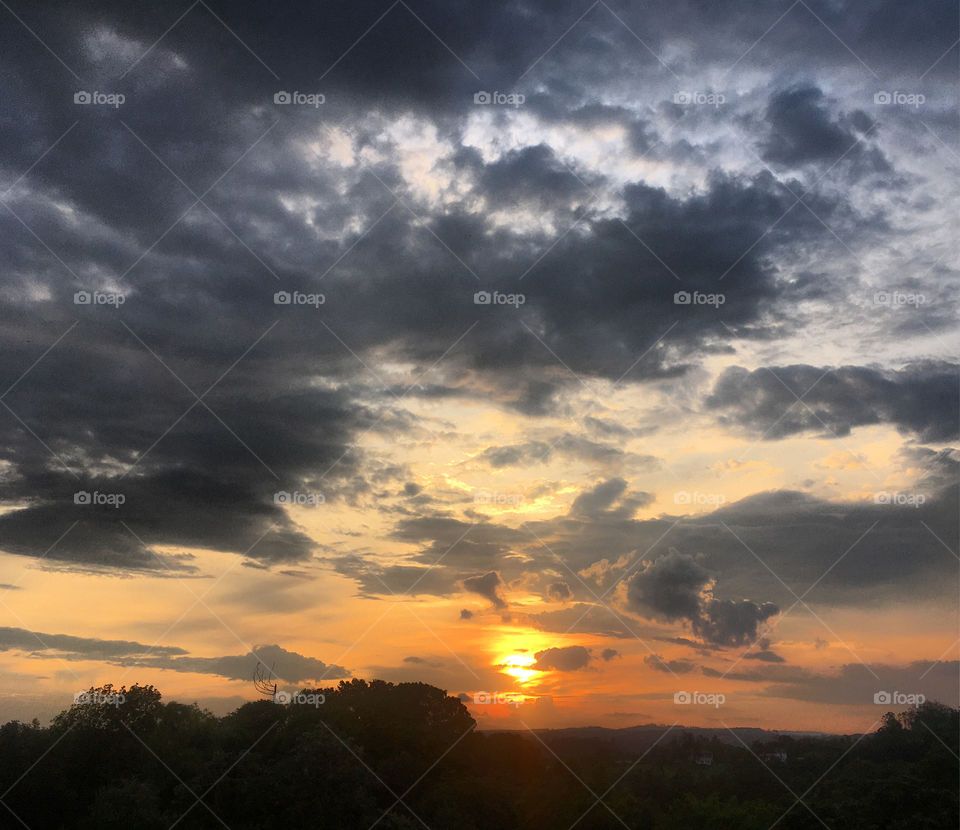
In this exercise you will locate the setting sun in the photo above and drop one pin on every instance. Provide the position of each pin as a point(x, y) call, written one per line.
point(518, 667)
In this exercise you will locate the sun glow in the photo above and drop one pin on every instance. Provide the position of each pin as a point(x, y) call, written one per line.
point(518, 667)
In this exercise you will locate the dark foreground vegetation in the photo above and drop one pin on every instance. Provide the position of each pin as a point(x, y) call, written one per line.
point(407, 755)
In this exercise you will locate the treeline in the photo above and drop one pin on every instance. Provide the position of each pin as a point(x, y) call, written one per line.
point(408, 755)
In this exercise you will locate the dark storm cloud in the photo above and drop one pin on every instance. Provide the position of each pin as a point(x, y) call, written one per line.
point(732, 623)
point(920, 398)
point(532, 175)
point(676, 587)
point(565, 658)
point(802, 129)
point(669, 587)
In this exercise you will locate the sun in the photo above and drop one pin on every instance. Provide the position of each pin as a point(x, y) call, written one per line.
point(518, 666)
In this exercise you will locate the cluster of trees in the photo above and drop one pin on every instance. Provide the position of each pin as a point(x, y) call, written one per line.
point(408, 755)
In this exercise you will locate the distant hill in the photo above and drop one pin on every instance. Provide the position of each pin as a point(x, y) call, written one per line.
point(640, 738)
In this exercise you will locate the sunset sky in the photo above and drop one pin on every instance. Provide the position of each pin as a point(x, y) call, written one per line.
point(580, 355)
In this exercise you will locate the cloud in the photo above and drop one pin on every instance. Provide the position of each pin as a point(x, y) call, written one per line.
point(566, 658)
point(68, 647)
point(919, 398)
point(488, 585)
point(559, 591)
point(669, 587)
point(656, 662)
point(676, 587)
point(803, 130)
point(856, 683)
point(599, 502)
point(285, 665)
point(567, 445)
point(419, 661)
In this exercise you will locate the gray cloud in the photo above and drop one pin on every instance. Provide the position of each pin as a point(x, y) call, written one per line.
point(285, 665)
point(488, 585)
point(920, 399)
point(559, 591)
point(676, 587)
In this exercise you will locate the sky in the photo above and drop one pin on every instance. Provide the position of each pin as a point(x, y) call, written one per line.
point(594, 363)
